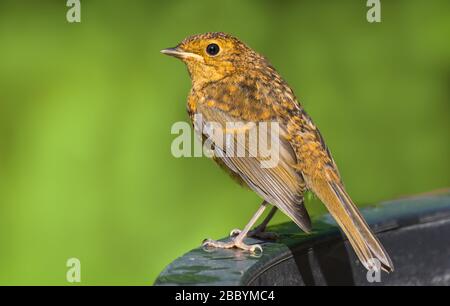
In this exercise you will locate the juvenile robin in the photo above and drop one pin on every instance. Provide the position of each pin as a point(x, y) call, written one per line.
point(233, 83)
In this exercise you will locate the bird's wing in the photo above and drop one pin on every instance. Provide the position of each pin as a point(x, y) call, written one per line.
point(322, 177)
point(272, 176)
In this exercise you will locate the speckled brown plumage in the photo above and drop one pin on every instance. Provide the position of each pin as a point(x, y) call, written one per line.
point(238, 84)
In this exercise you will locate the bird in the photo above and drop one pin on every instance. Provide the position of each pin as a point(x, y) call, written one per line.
point(232, 83)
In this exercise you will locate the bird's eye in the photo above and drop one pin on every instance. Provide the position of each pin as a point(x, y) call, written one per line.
point(212, 49)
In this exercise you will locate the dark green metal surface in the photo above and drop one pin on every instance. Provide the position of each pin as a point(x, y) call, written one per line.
point(235, 267)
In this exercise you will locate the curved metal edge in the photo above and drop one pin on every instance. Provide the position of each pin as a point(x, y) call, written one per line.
point(234, 267)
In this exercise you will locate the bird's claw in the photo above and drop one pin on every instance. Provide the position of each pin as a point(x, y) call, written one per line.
point(235, 232)
point(254, 248)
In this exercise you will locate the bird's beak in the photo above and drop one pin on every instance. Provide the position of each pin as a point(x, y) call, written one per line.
point(181, 54)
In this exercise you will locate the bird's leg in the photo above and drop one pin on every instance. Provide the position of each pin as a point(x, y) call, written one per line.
point(260, 230)
point(238, 241)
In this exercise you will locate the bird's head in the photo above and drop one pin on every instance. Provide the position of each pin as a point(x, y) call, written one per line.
point(213, 56)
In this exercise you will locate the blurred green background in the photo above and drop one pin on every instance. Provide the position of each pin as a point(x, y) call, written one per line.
point(86, 111)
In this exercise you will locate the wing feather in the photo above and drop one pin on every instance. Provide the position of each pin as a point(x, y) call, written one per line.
point(280, 185)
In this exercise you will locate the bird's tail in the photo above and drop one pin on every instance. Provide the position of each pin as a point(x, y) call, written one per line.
point(347, 215)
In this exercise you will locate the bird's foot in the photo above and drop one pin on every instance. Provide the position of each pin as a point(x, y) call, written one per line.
point(234, 243)
point(259, 233)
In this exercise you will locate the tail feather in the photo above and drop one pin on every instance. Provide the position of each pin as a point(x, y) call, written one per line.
point(347, 215)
